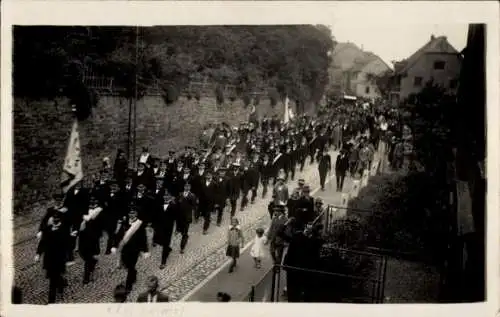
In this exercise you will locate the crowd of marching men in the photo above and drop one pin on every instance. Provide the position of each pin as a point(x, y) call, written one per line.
point(176, 191)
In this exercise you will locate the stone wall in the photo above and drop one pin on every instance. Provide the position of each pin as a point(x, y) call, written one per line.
point(42, 128)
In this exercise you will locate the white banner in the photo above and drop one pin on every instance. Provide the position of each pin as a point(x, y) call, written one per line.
point(72, 168)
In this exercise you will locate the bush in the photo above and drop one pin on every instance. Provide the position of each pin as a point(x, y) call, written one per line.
point(170, 94)
point(403, 213)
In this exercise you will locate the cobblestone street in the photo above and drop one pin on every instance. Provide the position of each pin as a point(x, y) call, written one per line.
point(203, 255)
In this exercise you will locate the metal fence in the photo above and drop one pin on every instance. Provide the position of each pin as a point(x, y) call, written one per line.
point(362, 282)
point(312, 285)
point(261, 291)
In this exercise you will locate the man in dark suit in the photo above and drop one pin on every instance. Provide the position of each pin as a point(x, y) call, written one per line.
point(152, 295)
point(265, 173)
point(207, 200)
point(52, 246)
point(165, 213)
point(144, 176)
point(114, 208)
point(131, 241)
point(324, 167)
point(186, 206)
point(222, 194)
point(305, 207)
point(77, 203)
point(341, 166)
point(253, 176)
point(88, 238)
point(234, 187)
point(275, 235)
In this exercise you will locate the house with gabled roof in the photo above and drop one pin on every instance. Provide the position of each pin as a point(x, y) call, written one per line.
point(360, 79)
point(437, 61)
point(353, 71)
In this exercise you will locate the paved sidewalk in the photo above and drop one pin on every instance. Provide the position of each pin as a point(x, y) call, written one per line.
point(238, 284)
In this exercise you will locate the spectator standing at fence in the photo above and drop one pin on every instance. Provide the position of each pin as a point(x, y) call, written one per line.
point(234, 242)
point(275, 234)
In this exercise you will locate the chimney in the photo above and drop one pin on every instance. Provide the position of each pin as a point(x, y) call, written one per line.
point(433, 37)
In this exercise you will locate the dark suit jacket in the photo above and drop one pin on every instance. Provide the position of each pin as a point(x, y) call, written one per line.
point(161, 298)
point(342, 164)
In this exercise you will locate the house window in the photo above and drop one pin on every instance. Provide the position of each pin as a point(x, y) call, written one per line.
point(367, 90)
point(439, 65)
point(417, 82)
point(453, 83)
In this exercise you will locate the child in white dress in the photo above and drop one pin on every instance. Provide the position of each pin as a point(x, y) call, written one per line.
point(258, 249)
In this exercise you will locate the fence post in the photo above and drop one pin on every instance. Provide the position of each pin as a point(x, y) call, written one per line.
point(273, 283)
point(252, 294)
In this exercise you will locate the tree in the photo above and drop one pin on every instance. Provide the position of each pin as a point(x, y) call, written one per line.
point(295, 58)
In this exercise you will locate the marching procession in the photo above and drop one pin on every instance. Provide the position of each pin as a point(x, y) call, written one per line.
point(139, 209)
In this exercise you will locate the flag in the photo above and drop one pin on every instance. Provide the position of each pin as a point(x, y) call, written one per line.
point(72, 168)
point(287, 113)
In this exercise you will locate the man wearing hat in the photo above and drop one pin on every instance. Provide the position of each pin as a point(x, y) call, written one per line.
point(207, 200)
point(324, 167)
point(171, 162)
point(292, 203)
point(280, 191)
point(253, 176)
point(143, 203)
point(222, 194)
point(57, 207)
point(77, 203)
point(114, 208)
point(131, 241)
point(305, 207)
point(165, 213)
point(88, 238)
point(197, 184)
point(234, 187)
point(184, 179)
point(186, 207)
point(129, 188)
point(143, 176)
point(275, 234)
point(265, 170)
point(341, 166)
point(53, 247)
point(245, 185)
point(300, 186)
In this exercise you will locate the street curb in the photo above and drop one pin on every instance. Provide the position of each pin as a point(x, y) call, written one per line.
point(228, 262)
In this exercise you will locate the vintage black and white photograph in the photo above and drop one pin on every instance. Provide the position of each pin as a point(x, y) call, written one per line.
point(304, 163)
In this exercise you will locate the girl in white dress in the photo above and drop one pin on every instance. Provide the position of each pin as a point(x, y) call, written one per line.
point(258, 249)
